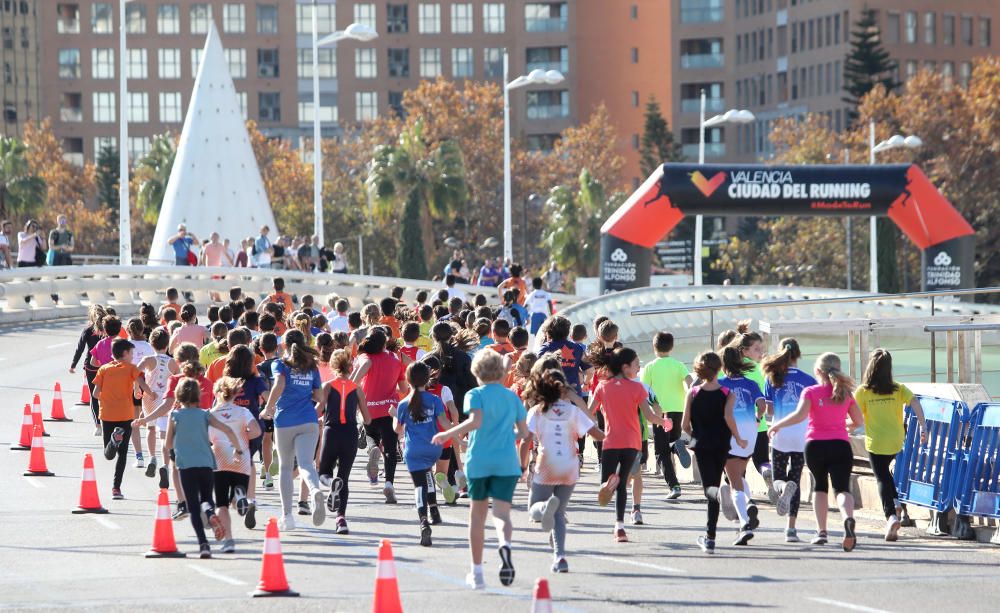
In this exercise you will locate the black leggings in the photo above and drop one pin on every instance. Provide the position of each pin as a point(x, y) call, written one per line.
point(340, 447)
point(598, 445)
point(663, 447)
point(107, 427)
point(761, 457)
point(788, 467)
point(198, 484)
point(886, 484)
point(830, 461)
point(618, 461)
point(95, 408)
point(381, 431)
point(423, 490)
point(711, 465)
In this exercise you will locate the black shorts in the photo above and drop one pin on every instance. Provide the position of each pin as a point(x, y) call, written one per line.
point(226, 483)
point(447, 453)
point(831, 463)
point(266, 425)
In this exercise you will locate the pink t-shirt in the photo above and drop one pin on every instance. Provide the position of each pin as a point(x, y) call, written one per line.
point(827, 419)
point(188, 333)
point(379, 383)
point(102, 350)
point(214, 253)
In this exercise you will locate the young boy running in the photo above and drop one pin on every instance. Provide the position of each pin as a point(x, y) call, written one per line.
point(159, 367)
point(669, 380)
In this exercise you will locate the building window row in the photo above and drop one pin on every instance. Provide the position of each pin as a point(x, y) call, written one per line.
point(816, 33)
point(907, 27)
point(168, 18)
point(430, 63)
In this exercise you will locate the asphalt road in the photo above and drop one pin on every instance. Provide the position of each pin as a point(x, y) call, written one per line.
point(54, 559)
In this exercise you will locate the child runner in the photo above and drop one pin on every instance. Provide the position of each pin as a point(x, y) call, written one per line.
point(828, 448)
point(751, 346)
point(882, 401)
point(89, 338)
point(410, 335)
point(539, 304)
point(668, 378)
point(497, 420)
point(141, 350)
point(189, 445)
point(710, 422)
point(159, 368)
point(268, 347)
point(251, 394)
point(448, 479)
point(234, 466)
point(782, 390)
point(419, 418)
point(618, 398)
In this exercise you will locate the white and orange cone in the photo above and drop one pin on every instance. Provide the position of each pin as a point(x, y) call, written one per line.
point(542, 601)
point(164, 545)
point(36, 464)
point(84, 394)
point(57, 413)
point(36, 414)
point(386, 588)
point(272, 571)
point(27, 427)
point(90, 501)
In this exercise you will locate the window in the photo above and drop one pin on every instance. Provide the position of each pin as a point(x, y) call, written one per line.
point(69, 63)
point(396, 103)
point(325, 15)
point(326, 62)
point(104, 107)
point(399, 63)
point(136, 64)
point(701, 11)
point(964, 73)
point(635, 99)
point(237, 59)
point(234, 18)
point(168, 19)
point(930, 28)
point(365, 106)
point(892, 28)
point(69, 18)
point(241, 97)
point(548, 16)
point(430, 63)
point(397, 19)
point(170, 107)
point(948, 74)
point(138, 147)
point(267, 18)
point(429, 18)
point(836, 29)
point(365, 14)
point(461, 18)
point(365, 64)
point(984, 31)
point(169, 61)
point(911, 69)
point(547, 58)
point(100, 142)
point(135, 18)
point(547, 104)
point(911, 27)
point(201, 16)
point(101, 20)
point(267, 63)
point(493, 18)
point(102, 63)
point(269, 106)
point(493, 63)
point(71, 107)
point(948, 30)
point(196, 61)
point(461, 63)
point(633, 12)
point(327, 109)
point(138, 107)
point(543, 142)
point(634, 55)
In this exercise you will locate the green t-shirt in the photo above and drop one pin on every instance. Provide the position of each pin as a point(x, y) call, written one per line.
point(757, 375)
point(883, 415)
point(666, 376)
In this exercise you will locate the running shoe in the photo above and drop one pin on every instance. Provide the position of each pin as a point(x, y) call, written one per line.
point(287, 522)
point(436, 516)
point(752, 513)
point(164, 478)
point(892, 529)
point(389, 492)
point(850, 538)
point(707, 545)
point(791, 535)
point(151, 468)
point(447, 489)
point(216, 525)
point(636, 517)
point(905, 521)
point(560, 566)
point(581, 461)
point(268, 481)
point(659, 468)
point(789, 490)
point(97, 431)
point(548, 518)
point(372, 466)
point(204, 551)
point(620, 536)
point(342, 525)
point(139, 462)
point(475, 581)
point(773, 491)
point(725, 497)
point(241, 501)
point(263, 471)
point(181, 512)
point(250, 519)
point(819, 539)
point(425, 533)
point(675, 493)
point(117, 436)
point(607, 490)
point(326, 481)
point(463, 492)
point(746, 533)
point(228, 546)
point(303, 508)
point(506, 565)
point(768, 474)
point(461, 483)
point(362, 438)
point(318, 508)
point(333, 500)
point(116, 494)
point(683, 456)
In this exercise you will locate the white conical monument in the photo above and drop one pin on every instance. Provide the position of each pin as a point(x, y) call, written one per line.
point(215, 184)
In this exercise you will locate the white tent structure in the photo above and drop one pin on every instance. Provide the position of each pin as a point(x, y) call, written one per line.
point(215, 184)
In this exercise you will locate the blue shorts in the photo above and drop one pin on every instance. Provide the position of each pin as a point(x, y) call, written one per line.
point(537, 319)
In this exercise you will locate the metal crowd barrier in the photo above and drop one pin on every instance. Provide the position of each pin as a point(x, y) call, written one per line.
point(978, 491)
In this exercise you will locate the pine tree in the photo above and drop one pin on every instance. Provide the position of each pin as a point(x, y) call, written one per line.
point(658, 144)
point(868, 63)
point(106, 177)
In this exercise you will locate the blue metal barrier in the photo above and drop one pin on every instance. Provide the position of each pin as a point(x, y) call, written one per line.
point(978, 491)
point(927, 474)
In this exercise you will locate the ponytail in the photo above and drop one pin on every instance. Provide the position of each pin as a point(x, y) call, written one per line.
point(732, 362)
point(622, 357)
point(775, 367)
point(192, 369)
point(828, 366)
point(417, 375)
point(878, 373)
point(301, 357)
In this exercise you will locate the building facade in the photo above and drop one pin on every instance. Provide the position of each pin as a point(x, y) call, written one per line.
point(20, 82)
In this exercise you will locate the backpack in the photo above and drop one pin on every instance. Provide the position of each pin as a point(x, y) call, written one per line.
point(510, 315)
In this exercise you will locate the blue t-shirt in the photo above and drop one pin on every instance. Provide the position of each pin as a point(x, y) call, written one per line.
point(249, 395)
point(492, 451)
point(786, 400)
point(523, 312)
point(182, 246)
point(746, 392)
point(488, 276)
point(571, 356)
point(295, 405)
point(418, 451)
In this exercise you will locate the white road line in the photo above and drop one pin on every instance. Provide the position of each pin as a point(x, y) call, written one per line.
point(107, 523)
point(211, 574)
point(57, 345)
point(846, 605)
point(34, 483)
point(666, 569)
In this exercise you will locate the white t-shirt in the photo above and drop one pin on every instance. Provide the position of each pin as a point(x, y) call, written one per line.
point(4, 243)
point(238, 419)
point(558, 430)
point(142, 351)
point(538, 302)
point(454, 292)
point(339, 324)
point(26, 248)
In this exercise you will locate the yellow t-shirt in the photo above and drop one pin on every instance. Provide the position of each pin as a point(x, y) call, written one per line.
point(883, 415)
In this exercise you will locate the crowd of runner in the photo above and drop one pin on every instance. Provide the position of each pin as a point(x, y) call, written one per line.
point(474, 400)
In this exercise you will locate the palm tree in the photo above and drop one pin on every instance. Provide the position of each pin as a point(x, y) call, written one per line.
point(20, 191)
point(426, 180)
point(153, 171)
point(573, 232)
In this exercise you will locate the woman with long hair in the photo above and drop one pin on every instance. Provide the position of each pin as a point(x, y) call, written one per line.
point(92, 333)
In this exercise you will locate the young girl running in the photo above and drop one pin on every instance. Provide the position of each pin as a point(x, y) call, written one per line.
point(340, 401)
point(782, 390)
point(828, 448)
point(618, 398)
point(159, 368)
point(448, 472)
point(252, 394)
point(882, 401)
point(188, 442)
point(418, 418)
point(497, 420)
point(710, 421)
point(751, 346)
point(234, 466)
point(141, 350)
point(89, 338)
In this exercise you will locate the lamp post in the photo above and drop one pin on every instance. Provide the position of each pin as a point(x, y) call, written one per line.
point(355, 31)
point(897, 141)
point(730, 116)
point(124, 217)
point(535, 77)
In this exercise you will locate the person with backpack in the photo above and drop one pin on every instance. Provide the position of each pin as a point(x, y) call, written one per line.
point(182, 243)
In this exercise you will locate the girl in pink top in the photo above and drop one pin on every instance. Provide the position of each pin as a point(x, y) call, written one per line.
point(828, 448)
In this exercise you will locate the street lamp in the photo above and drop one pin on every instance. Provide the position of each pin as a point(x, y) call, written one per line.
point(535, 77)
point(355, 31)
point(124, 218)
point(897, 141)
point(730, 116)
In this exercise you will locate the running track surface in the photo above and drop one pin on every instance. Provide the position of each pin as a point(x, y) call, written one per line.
point(54, 559)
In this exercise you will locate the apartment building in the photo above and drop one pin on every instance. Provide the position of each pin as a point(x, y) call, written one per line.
point(20, 82)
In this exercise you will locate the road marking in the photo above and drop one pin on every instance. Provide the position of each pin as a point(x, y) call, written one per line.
point(34, 483)
point(57, 345)
point(211, 574)
point(666, 569)
point(846, 605)
point(107, 523)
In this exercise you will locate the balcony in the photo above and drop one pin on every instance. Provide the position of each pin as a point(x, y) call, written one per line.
point(712, 105)
point(561, 66)
point(551, 24)
point(702, 60)
point(702, 15)
point(75, 159)
point(71, 115)
point(712, 150)
point(548, 111)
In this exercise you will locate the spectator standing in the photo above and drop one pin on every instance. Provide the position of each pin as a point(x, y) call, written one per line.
point(182, 242)
point(6, 261)
point(338, 265)
point(262, 249)
point(215, 252)
point(30, 251)
point(489, 275)
point(229, 252)
point(241, 260)
point(553, 278)
point(61, 243)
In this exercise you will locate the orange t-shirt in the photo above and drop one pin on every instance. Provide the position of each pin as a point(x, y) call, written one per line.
point(619, 400)
point(514, 283)
point(116, 380)
point(170, 305)
point(216, 370)
point(392, 322)
point(284, 299)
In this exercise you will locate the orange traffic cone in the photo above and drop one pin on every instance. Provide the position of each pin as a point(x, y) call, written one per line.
point(57, 413)
point(90, 502)
point(84, 395)
point(542, 602)
point(386, 589)
point(36, 414)
point(36, 464)
point(164, 545)
point(27, 427)
point(272, 572)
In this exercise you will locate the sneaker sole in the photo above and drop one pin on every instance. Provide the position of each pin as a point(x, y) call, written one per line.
point(333, 500)
point(372, 466)
point(607, 490)
point(787, 496)
point(164, 478)
point(250, 521)
point(319, 508)
point(726, 503)
point(151, 469)
point(683, 455)
point(447, 490)
point(217, 529)
point(893, 533)
point(390, 495)
point(850, 538)
point(752, 513)
point(743, 539)
point(425, 536)
point(549, 514)
point(242, 504)
point(506, 566)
